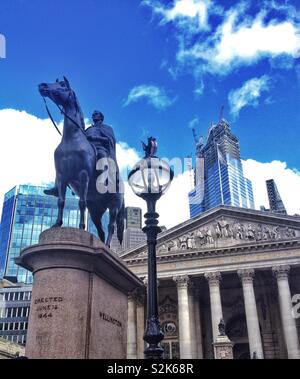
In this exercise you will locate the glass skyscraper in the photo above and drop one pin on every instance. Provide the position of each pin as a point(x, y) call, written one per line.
point(26, 212)
point(276, 204)
point(223, 177)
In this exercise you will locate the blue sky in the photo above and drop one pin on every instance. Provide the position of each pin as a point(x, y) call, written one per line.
point(155, 67)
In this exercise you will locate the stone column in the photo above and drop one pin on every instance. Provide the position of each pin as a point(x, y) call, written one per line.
point(184, 317)
point(215, 301)
point(140, 322)
point(198, 325)
point(191, 300)
point(285, 302)
point(131, 328)
point(254, 336)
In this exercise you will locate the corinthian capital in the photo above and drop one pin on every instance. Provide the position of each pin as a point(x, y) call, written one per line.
point(246, 275)
point(213, 278)
point(182, 281)
point(281, 272)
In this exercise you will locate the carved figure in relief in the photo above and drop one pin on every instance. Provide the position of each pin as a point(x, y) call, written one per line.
point(250, 232)
point(162, 248)
point(225, 228)
point(258, 233)
point(208, 236)
point(237, 231)
point(183, 242)
point(172, 245)
point(288, 232)
point(275, 233)
point(218, 230)
point(200, 238)
point(190, 242)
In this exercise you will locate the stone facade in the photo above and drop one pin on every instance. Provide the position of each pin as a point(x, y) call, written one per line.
point(10, 350)
point(79, 297)
point(238, 264)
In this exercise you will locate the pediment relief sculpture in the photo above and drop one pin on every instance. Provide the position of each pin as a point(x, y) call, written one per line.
point(230, 230)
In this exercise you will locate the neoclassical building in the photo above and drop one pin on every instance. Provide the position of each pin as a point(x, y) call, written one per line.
point(235, 264)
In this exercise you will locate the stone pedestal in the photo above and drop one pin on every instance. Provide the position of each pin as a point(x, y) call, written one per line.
point(223, 348)
point(79, 298)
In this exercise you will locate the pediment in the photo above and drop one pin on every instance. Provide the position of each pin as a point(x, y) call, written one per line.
point(221, 228)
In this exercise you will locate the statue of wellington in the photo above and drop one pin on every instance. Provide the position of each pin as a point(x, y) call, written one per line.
point(76, 159)
point(102, 137)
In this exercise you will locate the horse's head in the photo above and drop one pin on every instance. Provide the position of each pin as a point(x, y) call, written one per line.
point(60, 92)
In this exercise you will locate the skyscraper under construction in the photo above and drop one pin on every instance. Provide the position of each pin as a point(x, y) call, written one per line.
point(219, 172)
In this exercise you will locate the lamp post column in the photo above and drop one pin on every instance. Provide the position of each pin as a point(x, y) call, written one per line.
point(153, 333)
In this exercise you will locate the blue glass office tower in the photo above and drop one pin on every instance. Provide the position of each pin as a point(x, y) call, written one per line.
point(223, 177)
point(26, 212)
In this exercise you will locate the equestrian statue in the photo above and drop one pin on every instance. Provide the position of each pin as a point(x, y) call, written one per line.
point(85, 161)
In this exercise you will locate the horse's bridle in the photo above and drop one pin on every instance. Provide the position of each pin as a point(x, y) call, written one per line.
point(62, 112)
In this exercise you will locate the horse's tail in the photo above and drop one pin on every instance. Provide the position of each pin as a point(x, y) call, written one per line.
point(120, 222)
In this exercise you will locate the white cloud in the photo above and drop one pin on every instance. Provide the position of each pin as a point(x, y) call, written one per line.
point(286, 179)
point(155, 96)
point(248, 94)
point(188, 15)
point(249, 42)
point(235, 39)
point(239, 44)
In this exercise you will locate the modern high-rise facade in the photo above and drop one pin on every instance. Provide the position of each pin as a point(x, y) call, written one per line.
point(133, 217)
point(133, 234)
point(223, 180)
point(26, 212)
point(276, 204)
point(14, 311)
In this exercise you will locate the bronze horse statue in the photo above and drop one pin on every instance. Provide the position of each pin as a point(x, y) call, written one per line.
point(75, 163)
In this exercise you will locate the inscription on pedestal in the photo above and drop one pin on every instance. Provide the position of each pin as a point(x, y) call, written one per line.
point(46, 307)
point(110, 319)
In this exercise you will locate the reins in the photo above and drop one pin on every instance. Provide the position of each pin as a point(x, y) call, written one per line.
point(51, 118)
point(62, 112)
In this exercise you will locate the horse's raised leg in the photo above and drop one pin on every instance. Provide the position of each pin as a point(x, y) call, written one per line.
point(83, 189)
point(111, 225)
point(62, 188)
point(96, 214)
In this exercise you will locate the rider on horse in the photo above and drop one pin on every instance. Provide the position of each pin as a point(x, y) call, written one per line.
point(102, 137)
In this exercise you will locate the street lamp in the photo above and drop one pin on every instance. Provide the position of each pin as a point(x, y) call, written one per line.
point(149, 179)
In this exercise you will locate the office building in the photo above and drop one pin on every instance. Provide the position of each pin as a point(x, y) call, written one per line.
point(276, 204)
point(14, 311)
point(223, 181)
point(26, 212)
point(133, 217)
point(133, 234)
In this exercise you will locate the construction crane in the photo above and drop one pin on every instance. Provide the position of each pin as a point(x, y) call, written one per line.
point(199, 143)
